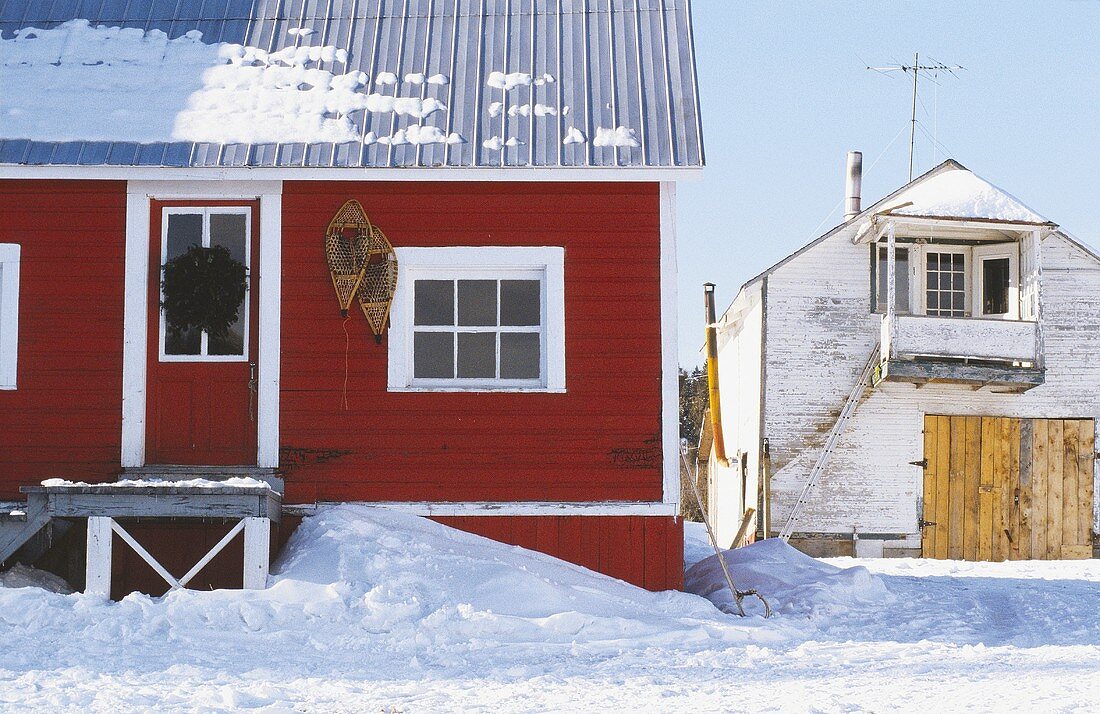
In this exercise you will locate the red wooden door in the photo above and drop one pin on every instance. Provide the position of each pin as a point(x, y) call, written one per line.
point(201, 406)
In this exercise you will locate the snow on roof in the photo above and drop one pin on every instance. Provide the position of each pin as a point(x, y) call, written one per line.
point(348, 83)
point(958, 193)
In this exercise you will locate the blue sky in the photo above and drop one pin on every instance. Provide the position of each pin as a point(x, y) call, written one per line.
point(785, 95)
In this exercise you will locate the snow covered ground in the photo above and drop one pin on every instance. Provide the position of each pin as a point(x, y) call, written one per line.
point(377, 611)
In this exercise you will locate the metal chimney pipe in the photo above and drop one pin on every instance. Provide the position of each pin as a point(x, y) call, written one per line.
point(853, 185)
point(713, 396)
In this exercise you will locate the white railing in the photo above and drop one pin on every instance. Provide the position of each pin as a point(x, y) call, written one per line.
point(908, 336)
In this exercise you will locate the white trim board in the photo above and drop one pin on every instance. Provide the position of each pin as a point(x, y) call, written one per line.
point(139, 195)
point(9, 314)
point(670, 391)
point(329, 173)
point(503, 508)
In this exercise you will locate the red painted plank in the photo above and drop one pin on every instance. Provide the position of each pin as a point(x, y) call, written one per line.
point(64, 419)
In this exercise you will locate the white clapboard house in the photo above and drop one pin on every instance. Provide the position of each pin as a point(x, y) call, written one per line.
point(922, 379)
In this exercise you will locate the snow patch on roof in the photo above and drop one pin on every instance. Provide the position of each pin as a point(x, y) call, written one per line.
point(619, 136)
point(961, 194)
point(126, 84)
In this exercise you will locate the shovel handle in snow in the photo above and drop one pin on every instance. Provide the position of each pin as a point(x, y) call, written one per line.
point(738, 595)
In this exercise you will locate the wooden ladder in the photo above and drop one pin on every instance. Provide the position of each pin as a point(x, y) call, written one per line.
point(834, 436)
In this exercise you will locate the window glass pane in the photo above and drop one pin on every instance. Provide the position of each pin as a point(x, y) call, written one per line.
point(228, 231)
point(477, 354)
point(184, 231)
point(520, 357)
point(433, 302)
point(520, 302)
point(433, 355)
point(477, 302)
point(995, 281)
point(901, 279)
point(231, 343)
point(182, 342)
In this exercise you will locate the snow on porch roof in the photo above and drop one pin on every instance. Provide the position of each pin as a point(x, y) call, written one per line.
point(346, 83)
point(958, 193)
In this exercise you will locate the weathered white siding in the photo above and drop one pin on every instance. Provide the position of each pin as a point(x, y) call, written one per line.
point(820, 331)
point(739, 368)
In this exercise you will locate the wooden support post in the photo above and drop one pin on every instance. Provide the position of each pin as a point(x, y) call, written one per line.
point(1040, 349)
point(891, 290)
point(257, 552)
point(97, 568)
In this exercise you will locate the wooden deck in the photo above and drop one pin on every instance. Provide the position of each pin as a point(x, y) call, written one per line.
point(1004, 377)
point(170, 500)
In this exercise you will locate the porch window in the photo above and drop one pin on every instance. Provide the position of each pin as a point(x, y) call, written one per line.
point(478, 319)
point(901, 280)
point(9, 313)
point(945, 284)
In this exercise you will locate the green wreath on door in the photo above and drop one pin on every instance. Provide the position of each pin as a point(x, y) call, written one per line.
point(203, 289)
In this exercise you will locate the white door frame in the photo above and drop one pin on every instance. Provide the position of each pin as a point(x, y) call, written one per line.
point(135, 331)
point(987, 252)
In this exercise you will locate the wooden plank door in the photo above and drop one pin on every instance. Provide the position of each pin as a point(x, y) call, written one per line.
point(999, 488)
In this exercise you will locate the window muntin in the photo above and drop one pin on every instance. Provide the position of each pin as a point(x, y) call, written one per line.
point(231, 228)
point(478, 319)
point(9, 313)
point(945, 283)
point(479, 329)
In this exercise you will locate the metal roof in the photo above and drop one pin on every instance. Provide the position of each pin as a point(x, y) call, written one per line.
point(613, 63)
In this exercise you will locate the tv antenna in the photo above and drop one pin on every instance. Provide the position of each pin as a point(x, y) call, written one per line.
point(929, 70)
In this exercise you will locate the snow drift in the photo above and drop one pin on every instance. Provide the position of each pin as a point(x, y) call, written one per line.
point(793, 583)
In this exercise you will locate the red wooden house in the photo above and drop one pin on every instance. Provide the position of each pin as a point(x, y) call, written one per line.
point(521, 157)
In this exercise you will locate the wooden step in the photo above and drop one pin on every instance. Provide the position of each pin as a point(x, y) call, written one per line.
point(186, 472)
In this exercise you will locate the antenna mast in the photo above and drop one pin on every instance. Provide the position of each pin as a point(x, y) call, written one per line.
point(931, 71)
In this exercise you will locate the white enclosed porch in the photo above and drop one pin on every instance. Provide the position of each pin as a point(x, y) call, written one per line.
point(960, 299)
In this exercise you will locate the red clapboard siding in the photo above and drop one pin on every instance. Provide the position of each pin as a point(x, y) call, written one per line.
point(65, 417)
point(599, 441)
point(646, 551)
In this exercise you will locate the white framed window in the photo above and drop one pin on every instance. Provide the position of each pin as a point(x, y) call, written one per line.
point(945, 284)
point(229, 227)
point(9, 313)
point(478, 319)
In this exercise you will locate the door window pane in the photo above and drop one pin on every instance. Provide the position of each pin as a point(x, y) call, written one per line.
point(231, 343)
point(477, 302)
point(182, 342)
point(208, 228)
point(228, 231)
point(433, 355)
point(434, 302)
point(184, 232)
point(477, 354)
point(520, 302)
point(901, 279)
point(995, 283)
point(520, 355)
